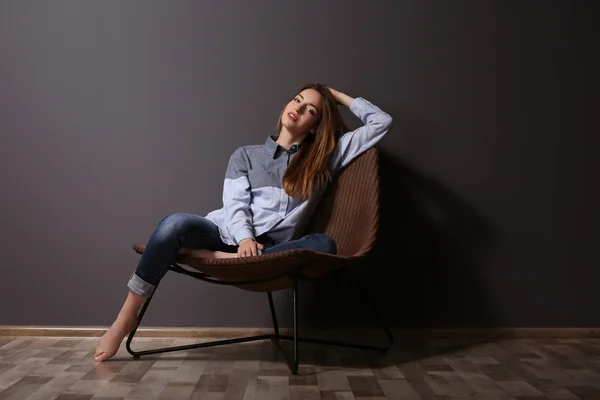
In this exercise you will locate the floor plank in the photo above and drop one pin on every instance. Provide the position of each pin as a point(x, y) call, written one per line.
point(55, 368)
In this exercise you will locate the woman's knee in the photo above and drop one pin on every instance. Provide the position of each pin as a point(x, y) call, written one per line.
point(172, 226)
point(325, 243)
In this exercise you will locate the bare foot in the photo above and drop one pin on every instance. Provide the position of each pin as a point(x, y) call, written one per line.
point(203, 253)
point(222, 254)
point(109, 343)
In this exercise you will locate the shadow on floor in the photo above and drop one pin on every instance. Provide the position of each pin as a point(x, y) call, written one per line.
point(313, 357)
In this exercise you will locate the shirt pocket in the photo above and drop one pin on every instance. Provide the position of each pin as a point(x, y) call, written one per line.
point(264, 187)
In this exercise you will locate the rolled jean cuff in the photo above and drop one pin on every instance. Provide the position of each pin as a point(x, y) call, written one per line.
point(140, 287)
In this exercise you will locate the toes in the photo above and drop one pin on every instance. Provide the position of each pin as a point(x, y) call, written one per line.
point(104, 355)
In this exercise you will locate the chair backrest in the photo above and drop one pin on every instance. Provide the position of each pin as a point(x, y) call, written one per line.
point(349, 207)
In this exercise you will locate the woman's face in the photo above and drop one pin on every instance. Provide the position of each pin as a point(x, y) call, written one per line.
point(303, 112)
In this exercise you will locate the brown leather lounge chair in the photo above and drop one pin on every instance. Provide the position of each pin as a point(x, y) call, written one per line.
point(348, 210)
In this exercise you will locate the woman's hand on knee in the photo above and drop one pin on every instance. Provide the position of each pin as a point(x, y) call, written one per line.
point(249, 247)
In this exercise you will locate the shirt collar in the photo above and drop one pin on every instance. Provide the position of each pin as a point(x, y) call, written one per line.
point(275, 149)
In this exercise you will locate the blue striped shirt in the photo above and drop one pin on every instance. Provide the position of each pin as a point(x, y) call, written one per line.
point(254, 201)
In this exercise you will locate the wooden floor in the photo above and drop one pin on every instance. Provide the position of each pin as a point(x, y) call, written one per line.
point(63, 368)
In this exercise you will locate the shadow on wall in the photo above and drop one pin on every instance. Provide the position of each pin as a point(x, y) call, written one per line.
point(424, 270)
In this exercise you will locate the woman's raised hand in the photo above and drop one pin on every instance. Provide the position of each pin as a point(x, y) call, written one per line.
point(340, 97)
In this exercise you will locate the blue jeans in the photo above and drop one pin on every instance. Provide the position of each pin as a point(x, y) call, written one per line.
point(194, 231)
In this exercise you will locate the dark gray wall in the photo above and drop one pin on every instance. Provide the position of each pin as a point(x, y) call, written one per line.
point(114, 114)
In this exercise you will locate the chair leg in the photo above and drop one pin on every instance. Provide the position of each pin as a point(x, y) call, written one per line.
point(276, 337)
point(367, 299)
point(292, 363)
point(273, 315)
point(295, 299)
point(137, 354)
point(364, 291)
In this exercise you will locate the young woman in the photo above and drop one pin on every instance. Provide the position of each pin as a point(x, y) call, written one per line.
point(266, 189)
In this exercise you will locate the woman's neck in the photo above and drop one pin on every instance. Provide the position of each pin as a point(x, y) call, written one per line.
point(286, 139)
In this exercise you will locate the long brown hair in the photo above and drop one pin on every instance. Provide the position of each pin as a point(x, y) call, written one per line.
point(309, 167)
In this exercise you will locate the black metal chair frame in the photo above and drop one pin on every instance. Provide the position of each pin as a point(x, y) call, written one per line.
point(276, 336)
